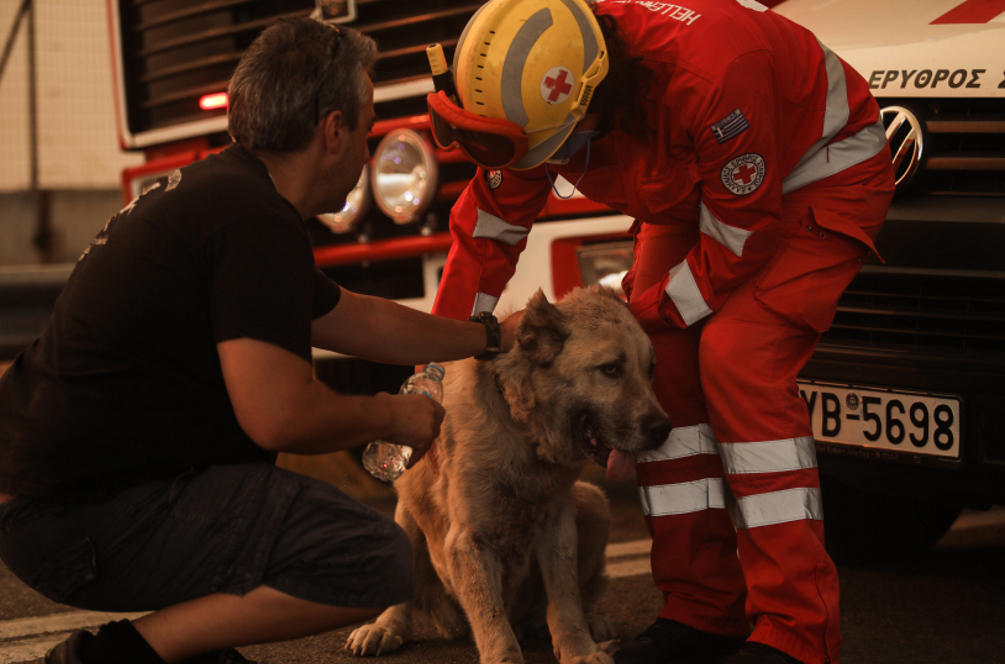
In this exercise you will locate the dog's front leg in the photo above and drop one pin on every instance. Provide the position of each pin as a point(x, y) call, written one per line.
point(558, 557)
point(476, 575)
point(384, 635)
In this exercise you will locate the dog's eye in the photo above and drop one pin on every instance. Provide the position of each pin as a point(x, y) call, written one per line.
point(611, 370)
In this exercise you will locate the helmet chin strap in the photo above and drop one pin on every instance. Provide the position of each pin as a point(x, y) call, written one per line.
point(586, 167)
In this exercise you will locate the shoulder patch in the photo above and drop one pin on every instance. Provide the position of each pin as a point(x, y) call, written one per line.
point(730, 126)
point(744, 174)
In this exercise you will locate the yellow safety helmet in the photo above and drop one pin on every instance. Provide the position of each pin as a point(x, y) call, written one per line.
point(535, 63)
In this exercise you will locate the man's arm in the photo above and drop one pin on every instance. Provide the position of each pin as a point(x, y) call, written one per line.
point(379, 330)
point(283, 408)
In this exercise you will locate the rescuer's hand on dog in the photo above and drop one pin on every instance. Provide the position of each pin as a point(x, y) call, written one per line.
point(507, 327)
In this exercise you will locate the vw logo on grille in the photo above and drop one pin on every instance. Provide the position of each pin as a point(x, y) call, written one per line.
point(907, 142)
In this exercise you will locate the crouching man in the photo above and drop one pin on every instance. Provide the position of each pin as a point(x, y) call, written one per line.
point(138, 435)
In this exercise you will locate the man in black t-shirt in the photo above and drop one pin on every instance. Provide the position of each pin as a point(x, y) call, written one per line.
point(138, 434)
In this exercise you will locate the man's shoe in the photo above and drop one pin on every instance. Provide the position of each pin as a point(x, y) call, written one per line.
point(66, 652)
point(670, 642)
point(757, 653)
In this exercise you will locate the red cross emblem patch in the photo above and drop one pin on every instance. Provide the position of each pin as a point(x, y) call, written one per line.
point(557, 84)
point(744, 174)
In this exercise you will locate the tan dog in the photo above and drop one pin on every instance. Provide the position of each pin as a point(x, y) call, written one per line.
point(505, 537)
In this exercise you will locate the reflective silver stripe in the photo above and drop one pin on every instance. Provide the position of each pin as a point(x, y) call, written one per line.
point(590, 46)
point(685, 498)
point(823, 160)
point(683, 290)
point(765, 509)
point(837, 157)
point(837, 113)
point(516, 58)
point(835, 107)
point(492, 227)
point(682, 442)
point(769, 456)
point(484, 302)
point(731, 237)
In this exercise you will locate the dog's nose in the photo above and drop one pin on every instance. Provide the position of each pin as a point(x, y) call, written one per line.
point(659, 428)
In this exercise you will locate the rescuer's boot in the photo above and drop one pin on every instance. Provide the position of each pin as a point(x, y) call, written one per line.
point(670, 642)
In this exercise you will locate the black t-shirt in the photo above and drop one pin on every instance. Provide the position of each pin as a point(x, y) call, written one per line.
point(124, 385)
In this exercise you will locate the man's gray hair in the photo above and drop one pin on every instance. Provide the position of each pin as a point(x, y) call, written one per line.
point(295, 73)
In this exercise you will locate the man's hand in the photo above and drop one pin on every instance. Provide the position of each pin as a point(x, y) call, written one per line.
point(415, 420)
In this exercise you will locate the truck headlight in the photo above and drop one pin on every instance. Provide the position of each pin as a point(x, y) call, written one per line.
point(356, 205)
point(404, 176)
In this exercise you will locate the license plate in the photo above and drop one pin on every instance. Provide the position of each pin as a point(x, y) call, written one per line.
point(909, 422)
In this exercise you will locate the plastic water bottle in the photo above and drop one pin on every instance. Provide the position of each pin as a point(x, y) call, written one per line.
point(386, 461)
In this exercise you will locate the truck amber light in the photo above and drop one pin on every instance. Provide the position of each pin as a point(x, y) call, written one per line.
point(213, 101)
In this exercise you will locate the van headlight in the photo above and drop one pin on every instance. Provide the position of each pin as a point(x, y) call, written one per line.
point(356, 205)
point(403, 177)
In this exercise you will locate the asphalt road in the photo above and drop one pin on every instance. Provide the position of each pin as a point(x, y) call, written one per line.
point(947, 607)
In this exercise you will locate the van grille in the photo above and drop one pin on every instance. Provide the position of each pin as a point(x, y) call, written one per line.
point(176, 51)
point(963, 146)
point(928, 313)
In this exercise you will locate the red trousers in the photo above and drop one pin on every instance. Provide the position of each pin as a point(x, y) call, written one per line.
point(732, 499)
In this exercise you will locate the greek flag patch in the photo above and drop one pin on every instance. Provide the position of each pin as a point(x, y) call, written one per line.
point(730, 126)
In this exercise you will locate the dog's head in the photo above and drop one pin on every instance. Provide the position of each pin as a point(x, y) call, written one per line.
point(580, 378)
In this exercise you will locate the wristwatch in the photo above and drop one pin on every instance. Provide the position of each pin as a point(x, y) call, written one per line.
point(492, 334)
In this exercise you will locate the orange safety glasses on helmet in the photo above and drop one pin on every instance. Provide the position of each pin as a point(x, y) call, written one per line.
point(489, 142)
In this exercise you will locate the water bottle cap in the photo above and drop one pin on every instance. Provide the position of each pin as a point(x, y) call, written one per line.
point(435, 370)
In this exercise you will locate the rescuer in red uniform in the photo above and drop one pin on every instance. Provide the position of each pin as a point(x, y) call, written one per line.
point(755, 164)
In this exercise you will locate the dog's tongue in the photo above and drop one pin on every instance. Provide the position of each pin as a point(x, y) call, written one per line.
point(620, 465)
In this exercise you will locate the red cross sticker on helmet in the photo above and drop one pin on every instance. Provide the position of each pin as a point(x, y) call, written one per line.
point(557, 85)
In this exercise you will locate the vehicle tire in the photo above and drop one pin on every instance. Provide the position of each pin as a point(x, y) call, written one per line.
point(863, 527)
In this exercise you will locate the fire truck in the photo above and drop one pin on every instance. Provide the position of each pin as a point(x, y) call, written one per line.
point(907, 389)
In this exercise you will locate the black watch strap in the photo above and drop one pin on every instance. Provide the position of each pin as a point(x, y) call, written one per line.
point(492, 334)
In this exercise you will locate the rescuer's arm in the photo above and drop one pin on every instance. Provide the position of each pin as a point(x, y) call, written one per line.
point(736, 144)
point(489, 223)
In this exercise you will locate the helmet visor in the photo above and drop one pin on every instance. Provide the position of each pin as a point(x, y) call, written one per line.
point(489, 142)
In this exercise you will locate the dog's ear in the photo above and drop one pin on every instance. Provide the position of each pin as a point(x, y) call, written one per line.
point(543, 330)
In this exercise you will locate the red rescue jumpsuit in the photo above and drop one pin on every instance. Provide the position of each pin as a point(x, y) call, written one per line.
point(757, 196)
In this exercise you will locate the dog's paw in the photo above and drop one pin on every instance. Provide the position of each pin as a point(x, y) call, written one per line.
point(601, 628)
point(372, 640)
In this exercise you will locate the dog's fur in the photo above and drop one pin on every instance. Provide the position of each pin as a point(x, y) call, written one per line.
point(505, 537)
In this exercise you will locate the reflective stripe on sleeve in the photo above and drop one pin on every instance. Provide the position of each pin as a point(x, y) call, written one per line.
point(837, 157)
point(769, 456)
point(492, 227)
point(731, 237)
point(765, 509)
point(682, 442)
point(684, 498)
point(823, 160)
point(683, 290)
point(484, 302)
